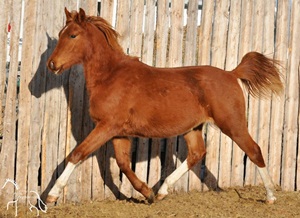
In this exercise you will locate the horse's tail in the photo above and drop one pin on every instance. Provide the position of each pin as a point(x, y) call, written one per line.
point(259, 74)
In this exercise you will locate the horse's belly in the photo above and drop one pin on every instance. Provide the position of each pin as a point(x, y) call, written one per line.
point(163, 122)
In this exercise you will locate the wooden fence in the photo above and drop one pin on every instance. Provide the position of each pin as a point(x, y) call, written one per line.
point(44, 116)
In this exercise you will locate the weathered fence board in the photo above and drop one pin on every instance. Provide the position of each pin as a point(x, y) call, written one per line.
point(215, 141)
point(45, 116)
point(276, 131)
point(291, 130)
point(190, 51)
point(236, 168)
point(9, 146)
point(175, 60)
point(123, 27)
point(25, 168)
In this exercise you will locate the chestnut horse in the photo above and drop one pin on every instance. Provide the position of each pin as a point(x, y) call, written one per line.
point(129, 98)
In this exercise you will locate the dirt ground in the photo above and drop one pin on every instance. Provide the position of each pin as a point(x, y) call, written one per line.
point(233, 202)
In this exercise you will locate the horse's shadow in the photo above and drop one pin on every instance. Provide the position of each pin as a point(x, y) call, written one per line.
point(38, 88)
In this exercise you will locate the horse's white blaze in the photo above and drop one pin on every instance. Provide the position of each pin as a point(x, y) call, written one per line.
point(62, 180)
point(267, 183)
point(171, 179)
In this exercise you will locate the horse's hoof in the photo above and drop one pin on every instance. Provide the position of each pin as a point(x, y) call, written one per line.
point(271, 201)
point(160, 197)
point(51, 199)
point(151, 198)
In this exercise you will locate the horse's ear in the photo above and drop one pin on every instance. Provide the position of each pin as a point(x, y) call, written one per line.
point(81, 15)
point(68, 15)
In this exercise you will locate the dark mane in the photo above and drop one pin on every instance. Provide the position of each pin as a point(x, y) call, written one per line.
point(110, 34)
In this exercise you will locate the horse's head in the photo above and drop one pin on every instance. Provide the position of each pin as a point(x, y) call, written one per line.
point(80, 39)
point(72, 43)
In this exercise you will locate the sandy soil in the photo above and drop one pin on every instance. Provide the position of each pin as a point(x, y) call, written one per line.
point(233, 202)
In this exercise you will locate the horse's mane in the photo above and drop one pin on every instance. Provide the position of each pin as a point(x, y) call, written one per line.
point(110, 34)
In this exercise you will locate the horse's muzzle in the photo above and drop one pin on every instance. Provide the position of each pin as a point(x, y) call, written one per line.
point(51, 65)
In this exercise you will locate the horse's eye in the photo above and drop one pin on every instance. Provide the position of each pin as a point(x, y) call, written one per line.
point(73, 36)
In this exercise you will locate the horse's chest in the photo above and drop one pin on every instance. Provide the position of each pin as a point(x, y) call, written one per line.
point(103, 105)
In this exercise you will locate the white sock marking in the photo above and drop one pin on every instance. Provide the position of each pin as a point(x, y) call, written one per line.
point(174, 177)
point(267, 183)
point(62, 180)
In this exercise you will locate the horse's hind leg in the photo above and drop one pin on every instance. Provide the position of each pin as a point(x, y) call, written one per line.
point(196, 151)
point(122, 147)
point(238, 132)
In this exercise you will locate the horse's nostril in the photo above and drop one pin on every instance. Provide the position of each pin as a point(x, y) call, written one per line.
point(51, 65)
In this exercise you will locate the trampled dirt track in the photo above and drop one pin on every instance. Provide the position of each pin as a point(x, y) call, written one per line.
point(233, 202)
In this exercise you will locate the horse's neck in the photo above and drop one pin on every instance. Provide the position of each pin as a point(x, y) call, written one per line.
point(99, 67)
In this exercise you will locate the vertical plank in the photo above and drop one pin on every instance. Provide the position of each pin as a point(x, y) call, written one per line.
point(37, 88)
point(176, 33)
point(53, 155)
point(70, 190)
point(191, 34)
point(225, 161)
point(204, 51)
point(64, 115)
point(265, 104)
point(112, 171)
point(90, 6)
point(136, 27)
point(244, 47)
point(175, 60)
point(135, 49)
point(298, 158)
point(291, 130)
point(148, 40)
point(107, 7)
point(3, 45)
point(170, 158)
point(161, 32)
point(190, 59)
point(276, 130)
point(205, 33)
point(236, 165)
point(161, 36)
point(141, 164)
point(122, 26)
point(215, 141)
point(45, 168)
point(25, 177)
point(183, 183)
point(86, 167)
point(154, 163)
point(253, 121)
point(9, 146)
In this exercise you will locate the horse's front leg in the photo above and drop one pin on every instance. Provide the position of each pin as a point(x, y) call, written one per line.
point(93, 141)
point(122, 147)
